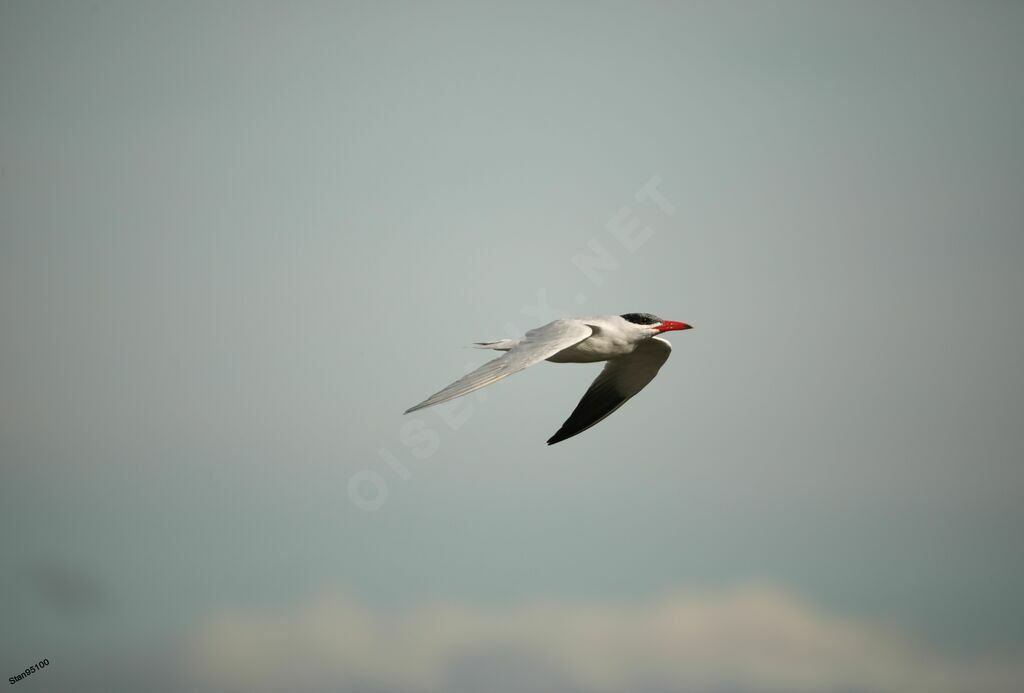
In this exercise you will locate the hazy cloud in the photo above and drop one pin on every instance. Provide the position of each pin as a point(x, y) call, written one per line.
point(67, 588)
point(754, 638)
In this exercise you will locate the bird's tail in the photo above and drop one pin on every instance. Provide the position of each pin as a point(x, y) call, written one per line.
point(500, 345)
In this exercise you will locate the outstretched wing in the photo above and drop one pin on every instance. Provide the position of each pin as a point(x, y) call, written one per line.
point(538, 344)
point(620, 379)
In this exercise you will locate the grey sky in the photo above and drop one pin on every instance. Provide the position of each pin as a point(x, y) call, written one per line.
point(237, 240)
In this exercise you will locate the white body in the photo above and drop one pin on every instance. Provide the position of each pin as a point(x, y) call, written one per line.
point(612, 336)
point(633, 352)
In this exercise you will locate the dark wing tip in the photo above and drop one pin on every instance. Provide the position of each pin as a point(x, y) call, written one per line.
point(598, 402)
point(562, 434)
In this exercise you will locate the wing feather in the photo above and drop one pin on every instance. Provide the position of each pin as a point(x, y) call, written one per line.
point(620, 379)
point(538, 344)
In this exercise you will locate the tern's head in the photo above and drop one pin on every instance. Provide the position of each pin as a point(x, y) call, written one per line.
point(651, 325)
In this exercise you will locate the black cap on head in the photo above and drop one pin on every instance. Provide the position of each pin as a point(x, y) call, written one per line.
point(641, 318)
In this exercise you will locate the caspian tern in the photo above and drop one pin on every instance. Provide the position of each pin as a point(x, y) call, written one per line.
point(627, 342)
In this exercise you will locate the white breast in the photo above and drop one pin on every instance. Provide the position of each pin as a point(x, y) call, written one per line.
point(607, 342)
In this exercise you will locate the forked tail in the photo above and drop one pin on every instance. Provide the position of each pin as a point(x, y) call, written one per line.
point(500, 345)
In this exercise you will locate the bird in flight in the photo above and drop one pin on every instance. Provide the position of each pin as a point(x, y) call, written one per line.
point(627, 342)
